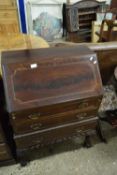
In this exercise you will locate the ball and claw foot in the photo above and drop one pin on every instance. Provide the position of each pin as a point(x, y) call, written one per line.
point(51, 149)
point(23, 163)
point(87, 142)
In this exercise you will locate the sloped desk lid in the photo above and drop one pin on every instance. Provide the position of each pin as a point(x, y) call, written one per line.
point(41, 77)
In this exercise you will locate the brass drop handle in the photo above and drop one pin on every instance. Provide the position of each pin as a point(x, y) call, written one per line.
point(78, 131)
point(36, 126)
point(13, 116)
point(83, 105)
point(81, 116)
point(34, 116)
point(38, 141)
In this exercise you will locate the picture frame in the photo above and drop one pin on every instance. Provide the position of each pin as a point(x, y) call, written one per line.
point(44, 19)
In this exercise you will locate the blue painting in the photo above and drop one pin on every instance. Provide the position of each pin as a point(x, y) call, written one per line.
point(47, 26)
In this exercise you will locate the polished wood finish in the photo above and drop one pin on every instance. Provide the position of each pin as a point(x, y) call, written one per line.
point(54, 135)
point(12, 42)
point(60, 72)
point(51, 94)
point(34, 122)
point(106, 54)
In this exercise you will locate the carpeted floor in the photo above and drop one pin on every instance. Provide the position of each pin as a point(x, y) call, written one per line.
point(72, 159)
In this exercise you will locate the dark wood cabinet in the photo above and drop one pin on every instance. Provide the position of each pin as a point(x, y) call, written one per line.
point(6, 156)
point(79, 17)
point(5, 152)
point(51, 94)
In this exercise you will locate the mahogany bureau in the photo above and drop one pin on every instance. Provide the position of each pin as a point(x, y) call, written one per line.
point(51, 94)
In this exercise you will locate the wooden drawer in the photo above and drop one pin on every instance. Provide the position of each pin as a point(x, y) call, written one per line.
point(8, 14)
point(55, 134)
point(81, 105)
point(33, 123)
point(4, 152)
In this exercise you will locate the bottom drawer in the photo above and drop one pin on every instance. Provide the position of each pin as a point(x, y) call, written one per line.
point(55, 134)
point(4, 152)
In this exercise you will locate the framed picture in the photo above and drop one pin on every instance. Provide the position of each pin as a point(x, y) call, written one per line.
point(45, 19)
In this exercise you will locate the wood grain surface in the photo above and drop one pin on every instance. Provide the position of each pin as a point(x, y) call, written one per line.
point(49, 76)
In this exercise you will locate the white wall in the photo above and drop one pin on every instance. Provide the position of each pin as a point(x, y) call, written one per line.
point(59, 1)
point(50, 1)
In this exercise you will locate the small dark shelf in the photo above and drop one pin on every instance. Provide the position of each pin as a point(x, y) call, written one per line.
point(79, 17)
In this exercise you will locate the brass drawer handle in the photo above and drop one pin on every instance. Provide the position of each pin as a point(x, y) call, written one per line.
point(39, 141)
point(36, 126)
point(83, 105)
point(13, 116)
point(81, 116)
point(34, 116)
point(79, 131)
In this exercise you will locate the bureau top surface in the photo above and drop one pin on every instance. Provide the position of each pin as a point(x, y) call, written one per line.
point(43, 54)
point(42, 77)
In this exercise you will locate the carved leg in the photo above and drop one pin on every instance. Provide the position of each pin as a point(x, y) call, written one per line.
point(23, 163)
point(100, 132)
point(21, 158)
point(87, 142)
point(51, 149)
